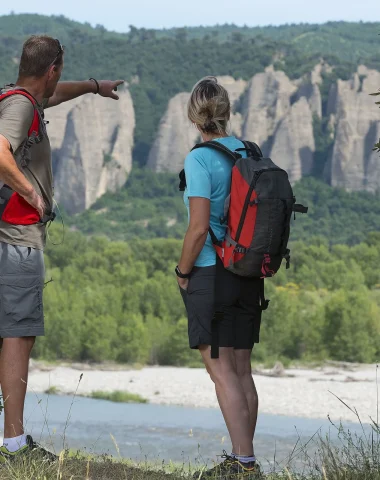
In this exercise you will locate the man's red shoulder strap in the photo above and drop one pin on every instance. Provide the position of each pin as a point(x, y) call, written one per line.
point(34, 130)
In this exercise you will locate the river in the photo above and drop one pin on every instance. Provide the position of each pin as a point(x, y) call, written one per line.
point(160, 433)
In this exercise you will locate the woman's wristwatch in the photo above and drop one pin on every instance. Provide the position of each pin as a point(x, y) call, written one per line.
point(180, 274)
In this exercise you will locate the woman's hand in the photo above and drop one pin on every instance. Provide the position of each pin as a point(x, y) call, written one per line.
point(183, 283)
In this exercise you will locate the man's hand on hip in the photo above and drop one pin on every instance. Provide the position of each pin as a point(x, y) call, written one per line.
point(107, 88)
point(36, 201)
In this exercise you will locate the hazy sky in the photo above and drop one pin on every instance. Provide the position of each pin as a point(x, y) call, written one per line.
point(119, 14)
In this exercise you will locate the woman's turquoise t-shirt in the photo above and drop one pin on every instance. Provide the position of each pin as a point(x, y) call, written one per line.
point(208, 175)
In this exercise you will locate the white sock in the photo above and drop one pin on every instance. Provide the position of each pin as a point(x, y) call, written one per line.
point(243, 458)
point(14, 444)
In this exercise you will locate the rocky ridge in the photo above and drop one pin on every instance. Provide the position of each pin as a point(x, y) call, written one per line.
point(278, 114)
point(92, 137)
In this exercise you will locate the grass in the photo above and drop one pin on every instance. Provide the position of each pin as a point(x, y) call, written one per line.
point(81, 469)
point(354, 457)
point(118, 396)
point(52, 390)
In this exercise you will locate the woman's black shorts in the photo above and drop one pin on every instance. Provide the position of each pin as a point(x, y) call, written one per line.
point(214, 289)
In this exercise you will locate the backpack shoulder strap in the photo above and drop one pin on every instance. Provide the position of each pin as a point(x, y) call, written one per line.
point(221, 148)
point(34, 130)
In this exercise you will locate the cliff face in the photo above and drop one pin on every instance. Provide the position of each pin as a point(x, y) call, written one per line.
point(176, 135)
point(293, 147)
point(353, 164)
point(92, 141)
point(277, 113)
point(274, 112)
point(92, 137)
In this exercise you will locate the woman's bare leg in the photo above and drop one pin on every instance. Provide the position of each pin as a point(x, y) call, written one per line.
point(231, 397)
point(244, 372)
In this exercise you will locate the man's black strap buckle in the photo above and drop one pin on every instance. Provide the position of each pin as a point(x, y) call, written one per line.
point(49, 217)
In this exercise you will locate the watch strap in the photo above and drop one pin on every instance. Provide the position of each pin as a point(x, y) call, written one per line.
point(180, 274)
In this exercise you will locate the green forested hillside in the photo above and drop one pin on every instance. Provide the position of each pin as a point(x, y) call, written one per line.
point(159, 64)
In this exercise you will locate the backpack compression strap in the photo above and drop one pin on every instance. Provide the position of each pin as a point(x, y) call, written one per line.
point(253, 148)
point(34, 130)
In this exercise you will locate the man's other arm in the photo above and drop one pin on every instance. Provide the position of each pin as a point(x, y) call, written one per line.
point(67, 91)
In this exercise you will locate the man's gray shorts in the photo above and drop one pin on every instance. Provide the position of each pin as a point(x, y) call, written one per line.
point(22, 274)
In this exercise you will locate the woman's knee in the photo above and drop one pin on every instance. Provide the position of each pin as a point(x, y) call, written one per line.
point(219, 369)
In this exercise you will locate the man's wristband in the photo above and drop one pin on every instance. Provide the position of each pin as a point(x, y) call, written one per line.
point(180, 274)
point(97, 85)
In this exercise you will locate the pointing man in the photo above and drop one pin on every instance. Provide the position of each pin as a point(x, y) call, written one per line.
point(26, 204)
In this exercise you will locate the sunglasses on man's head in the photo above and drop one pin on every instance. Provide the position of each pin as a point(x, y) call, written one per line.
point(61, 49)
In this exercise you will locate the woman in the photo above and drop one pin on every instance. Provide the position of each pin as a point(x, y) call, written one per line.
point(207, 287)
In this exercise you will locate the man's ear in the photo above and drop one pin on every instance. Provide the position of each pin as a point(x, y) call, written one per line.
point(52, 70)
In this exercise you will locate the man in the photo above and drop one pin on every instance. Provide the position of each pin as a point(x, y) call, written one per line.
point(26, 171)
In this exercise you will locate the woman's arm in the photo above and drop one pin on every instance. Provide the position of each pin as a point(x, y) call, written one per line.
point(195, 237)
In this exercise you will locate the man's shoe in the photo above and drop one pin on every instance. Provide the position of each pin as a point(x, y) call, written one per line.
point(230, 469)
point(31, 448)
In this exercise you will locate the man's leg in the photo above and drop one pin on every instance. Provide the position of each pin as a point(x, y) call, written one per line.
point(14, 363)
point(244, 372)
point(231, 397)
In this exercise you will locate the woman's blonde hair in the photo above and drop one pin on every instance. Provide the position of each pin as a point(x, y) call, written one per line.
point(209, 106)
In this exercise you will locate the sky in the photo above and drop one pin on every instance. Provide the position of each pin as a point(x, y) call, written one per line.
point(119, 14)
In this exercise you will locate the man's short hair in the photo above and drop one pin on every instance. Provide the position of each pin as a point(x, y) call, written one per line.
point(39, 53)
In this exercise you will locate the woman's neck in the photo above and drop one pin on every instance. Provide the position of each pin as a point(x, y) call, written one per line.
point(207, 137)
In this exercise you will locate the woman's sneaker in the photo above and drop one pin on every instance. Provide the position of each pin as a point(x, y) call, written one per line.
point(231, 468)
point(31, 448)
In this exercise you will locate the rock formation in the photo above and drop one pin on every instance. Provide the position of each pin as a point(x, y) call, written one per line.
point(92, 137)
point(294, 145)
point(269, 113)
point(277, 113)
point(175, 138)
point(92, 141)
point(356, 122)
point(268, 102)
point(176, 135)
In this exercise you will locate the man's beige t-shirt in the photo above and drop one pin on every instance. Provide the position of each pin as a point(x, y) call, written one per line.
point(16, 116)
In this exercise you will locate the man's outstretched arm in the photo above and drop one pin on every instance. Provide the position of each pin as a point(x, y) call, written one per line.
point(66, 91)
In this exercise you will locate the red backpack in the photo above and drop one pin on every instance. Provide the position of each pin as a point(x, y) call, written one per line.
point(258, 214)
point(14, 209)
